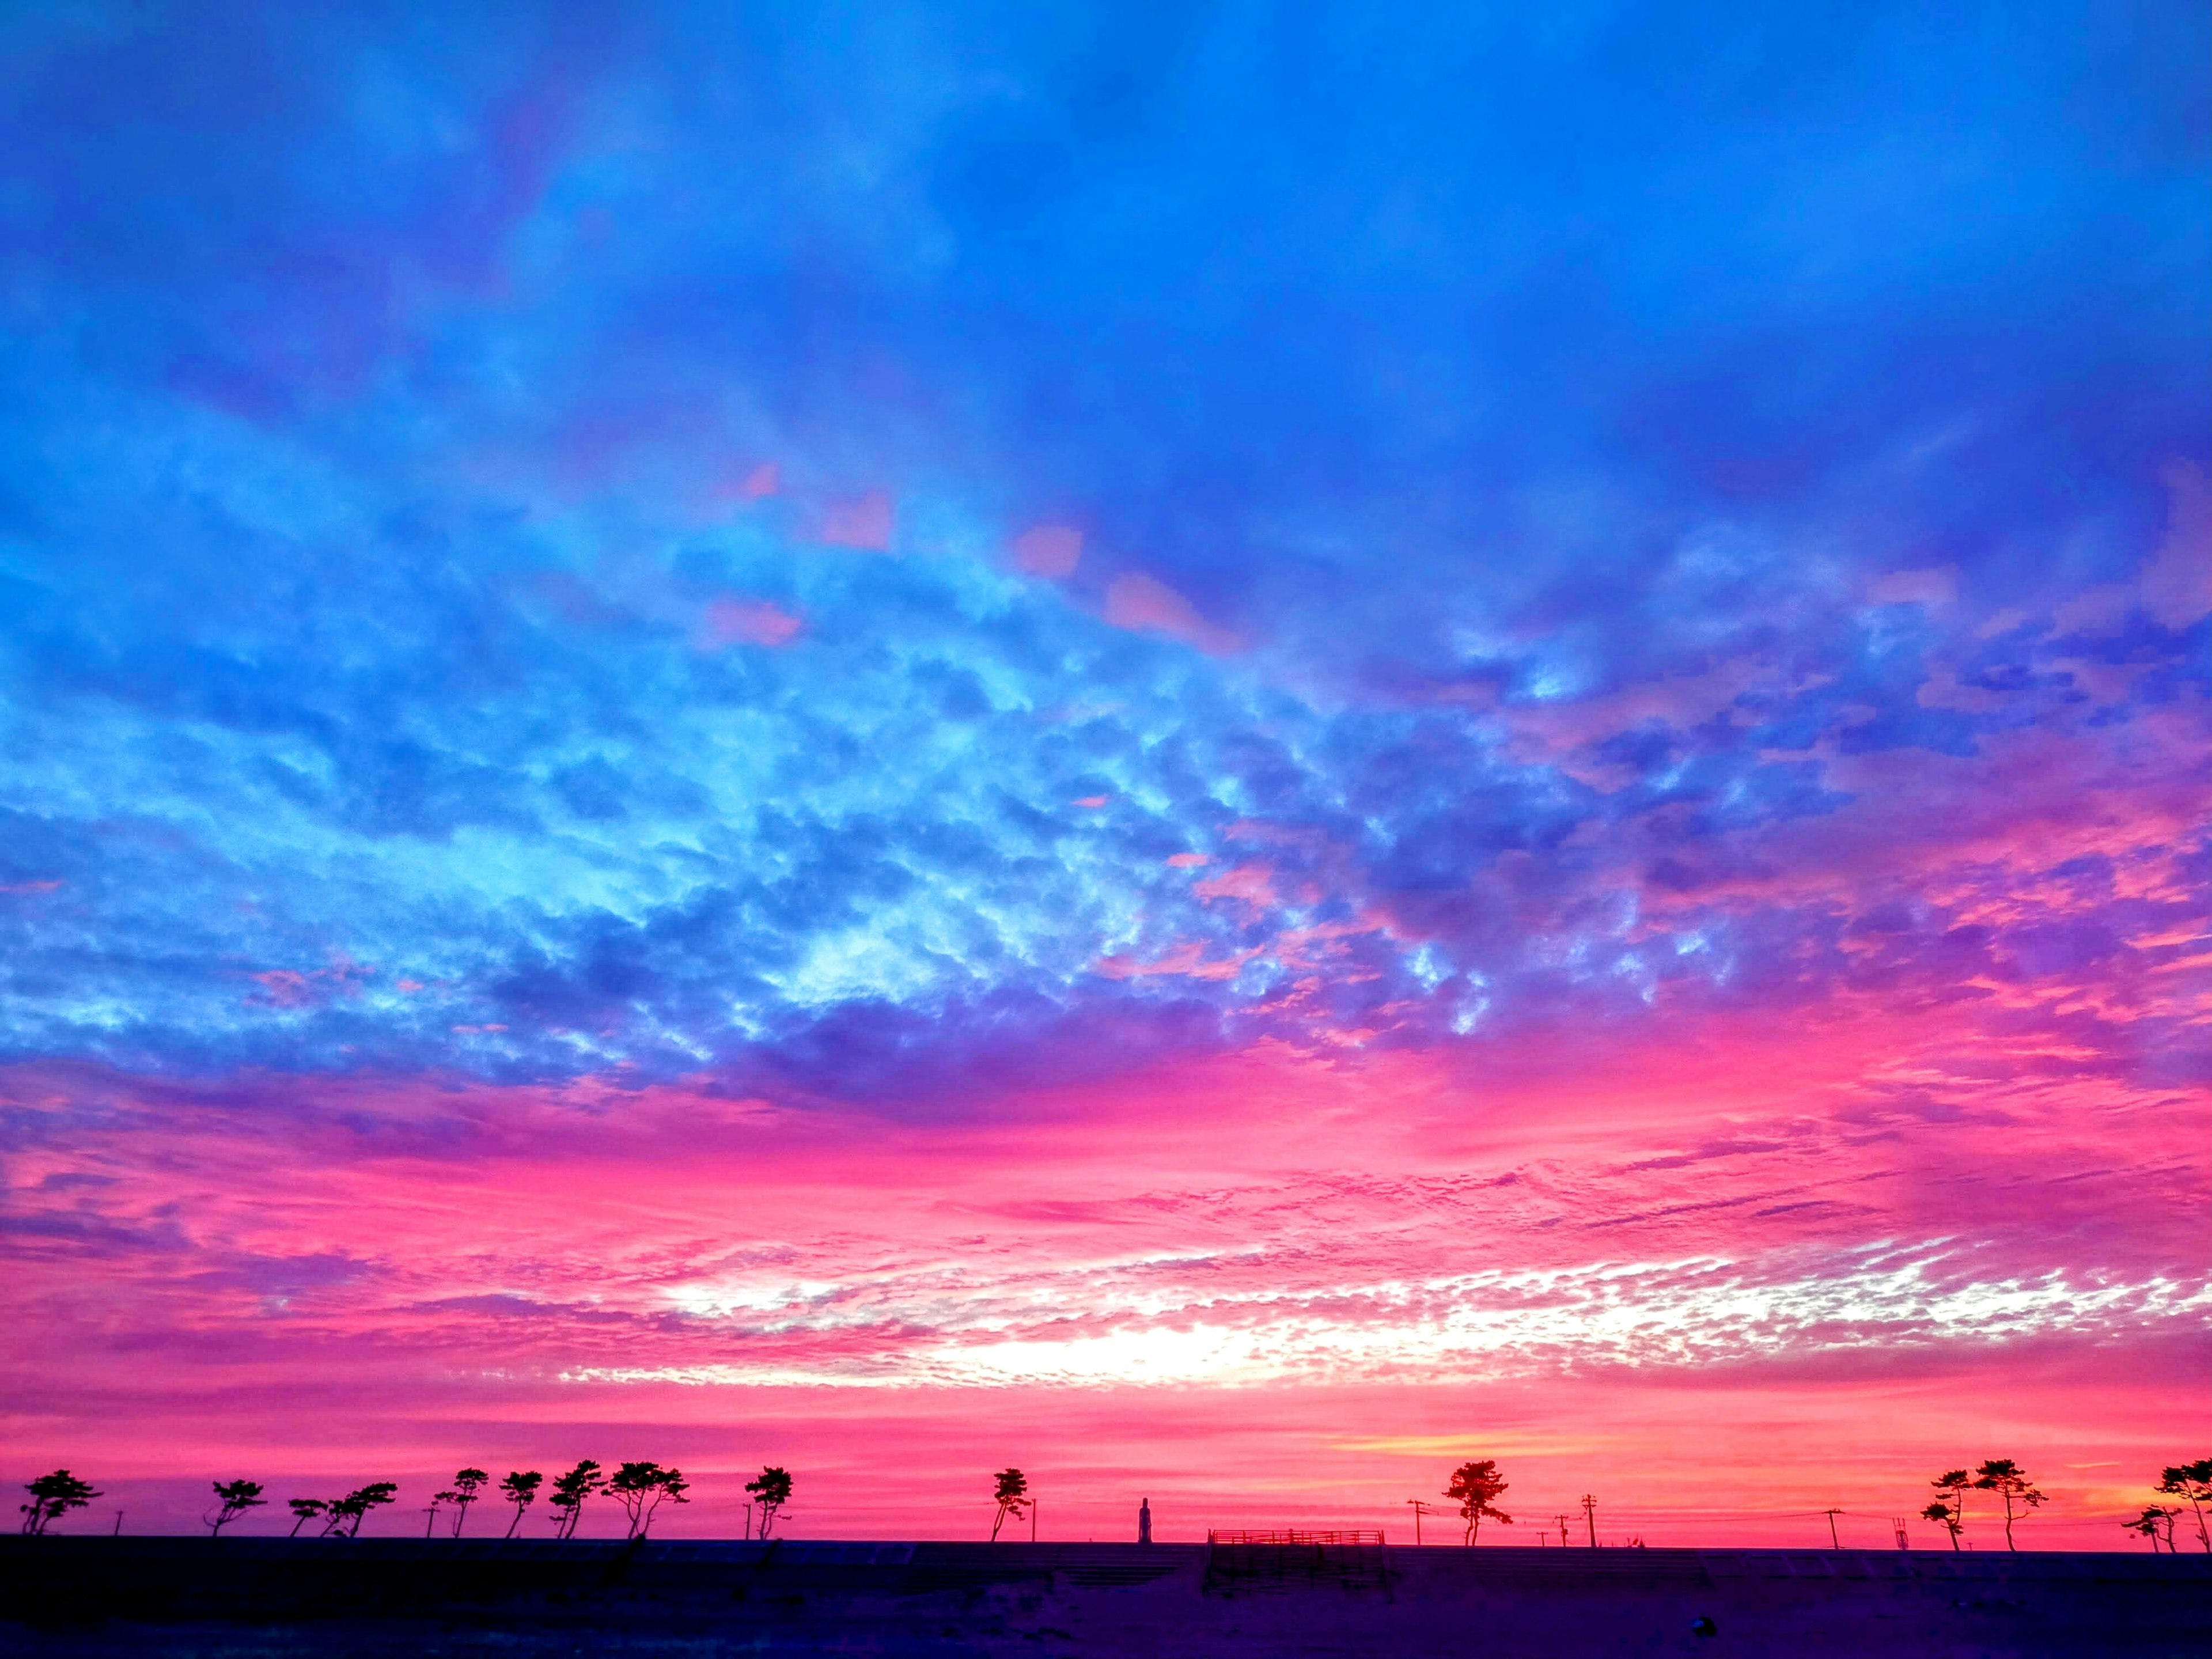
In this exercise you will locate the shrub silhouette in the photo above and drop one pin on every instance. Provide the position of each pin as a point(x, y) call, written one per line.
point(1950, 1506)
point(772, 1491)
point(304, 1509)
point(521, 1489)
point(2150, 1522)
point(569, 1492)
point(467, 1485)
point(1012, 1496)
point(235, 1497)
point(2007, 1479)
point(642, 1488)
point(53, 1496)
point(344, 1518)
point(2194, 1482)
point(1475, 1488)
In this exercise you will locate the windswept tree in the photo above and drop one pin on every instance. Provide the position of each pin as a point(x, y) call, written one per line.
point(1476, 1487)
point(467, 1484)
point(233, 1499)
point(2010, 1481)
point(53, 1496)
point(771, 1492)
point(2194, 1482)
point(304, 1509)
point(344, 1518)
point(569, 1492)
point(1012, 1496)
point(642, 1488)
point(1950, 1506)
point(521, 1489)
point(2156, 1522)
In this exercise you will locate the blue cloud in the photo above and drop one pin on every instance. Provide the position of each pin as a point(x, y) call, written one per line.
point(1540, 404)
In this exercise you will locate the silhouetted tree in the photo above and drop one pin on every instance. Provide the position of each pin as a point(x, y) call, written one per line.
point(53, 1496)
point(2194, 1482)
point(438, 1501)
point(304, 1509)
point(1950, 1504)
point(235, 1497)
point(1945, 1516)
point(467, 1485)
point(344, 1516)
point(2150, 1522)
point(2007, 1479)
point(1476, 1487)
point(642, 1488)
point(771, 1492)
point(520, 1488)
point(569, 1492)
point(1013, 1496)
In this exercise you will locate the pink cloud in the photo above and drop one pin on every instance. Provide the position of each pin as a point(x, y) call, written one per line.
point(1185, 961)
point(49, 886)
point(750, 621)
point(1936, 586)
point(865, 523)
point(1145, 605)
point(283, 988)
point(1090, 803)
point(286, 987)
point(1049, 551)
point(756, 484)
point(1187, 860)
point(1252, 884)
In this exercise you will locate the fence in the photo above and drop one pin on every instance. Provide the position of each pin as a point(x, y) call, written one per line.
point(1260, 1561)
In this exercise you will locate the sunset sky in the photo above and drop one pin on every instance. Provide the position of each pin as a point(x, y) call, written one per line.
point(1226, 750)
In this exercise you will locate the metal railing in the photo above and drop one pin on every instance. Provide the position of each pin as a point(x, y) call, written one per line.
point(1345, 1538)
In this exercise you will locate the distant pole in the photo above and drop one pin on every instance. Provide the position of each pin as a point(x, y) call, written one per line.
point(1834, 1543)
point(1589, 1513)
point(1034, 1507)
point(118, 1533)
point(1563, 1532)
point(1420, 1508)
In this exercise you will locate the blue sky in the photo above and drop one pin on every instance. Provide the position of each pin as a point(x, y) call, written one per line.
point(383, 389)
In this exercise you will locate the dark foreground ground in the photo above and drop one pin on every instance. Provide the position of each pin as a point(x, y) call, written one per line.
point(248, 1598)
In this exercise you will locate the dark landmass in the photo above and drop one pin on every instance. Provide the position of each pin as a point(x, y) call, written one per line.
point(249, 1598)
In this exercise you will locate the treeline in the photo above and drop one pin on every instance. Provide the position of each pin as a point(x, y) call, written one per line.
point(1476, 1487)
point(640, 1488)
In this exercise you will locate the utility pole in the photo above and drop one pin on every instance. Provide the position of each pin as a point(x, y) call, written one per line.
point(1420, 1508)
point(1834, 1542)
point(1589, 1513)
point(1034, 1507)
point(1563, 1532)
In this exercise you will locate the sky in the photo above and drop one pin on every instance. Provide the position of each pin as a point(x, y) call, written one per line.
point(1225, 751)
